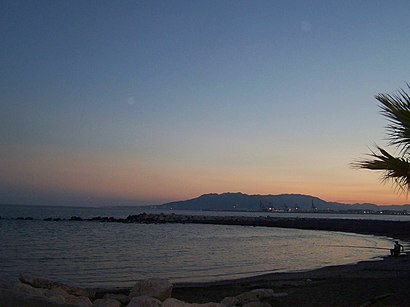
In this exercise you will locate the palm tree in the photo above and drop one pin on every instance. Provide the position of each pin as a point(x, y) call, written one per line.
point(396, 108)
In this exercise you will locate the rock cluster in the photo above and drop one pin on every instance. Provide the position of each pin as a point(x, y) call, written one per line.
point(162, 218)
point(40, 292)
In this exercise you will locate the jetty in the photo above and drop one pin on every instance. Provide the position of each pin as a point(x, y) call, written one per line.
point(394, 229)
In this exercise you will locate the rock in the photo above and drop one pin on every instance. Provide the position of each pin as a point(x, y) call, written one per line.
point(57, 295)
point(39, 282)
point(78, 300)
point(257, 304)
point(4, 285)
point(57, 299)
point(13, 298)
point(144, 301)
point(106, 302)
point(56, 292)
point(247, 297)
point(280, 294)
point(173, 302)
point(230, 301)
point(211, 304)
point(27, 289)
point(122, 298)
point(156, 287)
point(263, 293)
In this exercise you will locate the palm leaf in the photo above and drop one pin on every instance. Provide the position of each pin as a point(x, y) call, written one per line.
point(396, 108)
point(394, 169)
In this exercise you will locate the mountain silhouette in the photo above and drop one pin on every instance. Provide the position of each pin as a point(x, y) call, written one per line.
point(284, 202)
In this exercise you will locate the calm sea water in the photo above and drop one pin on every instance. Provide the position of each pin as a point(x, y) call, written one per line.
point(114, 254)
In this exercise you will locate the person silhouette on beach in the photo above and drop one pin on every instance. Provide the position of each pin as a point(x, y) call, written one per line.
point(397, 249)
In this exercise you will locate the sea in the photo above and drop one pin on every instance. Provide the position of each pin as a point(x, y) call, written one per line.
point(96, 254)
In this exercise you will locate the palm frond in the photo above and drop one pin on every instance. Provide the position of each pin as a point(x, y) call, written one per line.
point(396, 107)
point(394, 169)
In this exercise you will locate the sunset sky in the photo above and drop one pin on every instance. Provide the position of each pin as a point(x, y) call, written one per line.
point(144, 102)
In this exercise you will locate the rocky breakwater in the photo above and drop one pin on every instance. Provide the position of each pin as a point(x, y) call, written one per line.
point(396, 229)
point(196, 219)
point(40, 292)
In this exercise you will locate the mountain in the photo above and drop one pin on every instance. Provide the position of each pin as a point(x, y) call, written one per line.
point(245, 202)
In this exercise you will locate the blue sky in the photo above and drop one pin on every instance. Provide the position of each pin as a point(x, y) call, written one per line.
point(136, 102)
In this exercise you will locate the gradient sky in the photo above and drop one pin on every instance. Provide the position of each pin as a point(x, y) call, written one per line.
point(144, 102)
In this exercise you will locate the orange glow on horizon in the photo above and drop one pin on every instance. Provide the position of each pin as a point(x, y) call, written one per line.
point(158, 181)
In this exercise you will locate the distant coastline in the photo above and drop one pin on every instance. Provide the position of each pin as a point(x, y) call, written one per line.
point(310, 212)
point(289, 203)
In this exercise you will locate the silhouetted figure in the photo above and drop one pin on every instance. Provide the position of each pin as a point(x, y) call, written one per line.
point(397, 249)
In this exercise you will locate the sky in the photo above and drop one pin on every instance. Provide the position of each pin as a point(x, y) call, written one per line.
point(145, 102)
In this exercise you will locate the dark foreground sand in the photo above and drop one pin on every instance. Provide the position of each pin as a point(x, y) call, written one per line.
point(375, 283)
